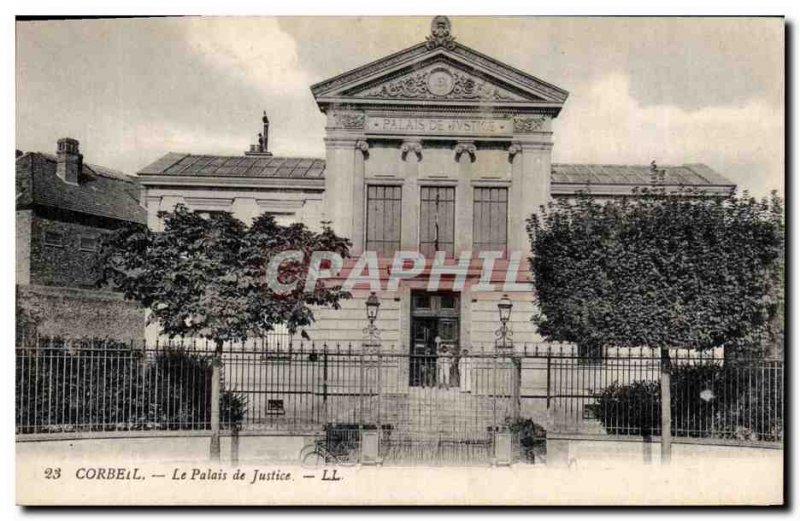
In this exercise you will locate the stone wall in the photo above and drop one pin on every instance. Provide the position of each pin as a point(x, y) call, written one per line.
point(80, 313)
point(67, 264)
point(24, 221)
point(587, 450)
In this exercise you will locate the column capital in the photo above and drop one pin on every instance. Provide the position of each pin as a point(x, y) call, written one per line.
point(363, 146)
point(411, 146)
point(465, 147)
point(514, 149)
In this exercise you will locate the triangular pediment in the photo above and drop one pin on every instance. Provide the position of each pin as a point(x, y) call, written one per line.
point(441, 80)
point(444, 73)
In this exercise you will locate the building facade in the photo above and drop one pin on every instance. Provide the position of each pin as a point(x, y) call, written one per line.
point(63, 206)
point(436, 149)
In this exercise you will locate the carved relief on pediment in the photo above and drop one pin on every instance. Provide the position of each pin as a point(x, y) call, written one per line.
point(441, 82)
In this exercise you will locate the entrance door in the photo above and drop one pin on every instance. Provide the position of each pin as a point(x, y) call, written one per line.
point(422, 372)
point(434, 332)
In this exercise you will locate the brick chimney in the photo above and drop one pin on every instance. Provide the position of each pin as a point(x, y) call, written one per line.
point(70, 160)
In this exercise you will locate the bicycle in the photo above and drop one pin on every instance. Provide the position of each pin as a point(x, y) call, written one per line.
point(319, 454)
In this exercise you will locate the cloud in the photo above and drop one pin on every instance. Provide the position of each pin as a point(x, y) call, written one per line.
point(675, 90)
point(254, 49)
point(180, 139)
point(605, 124)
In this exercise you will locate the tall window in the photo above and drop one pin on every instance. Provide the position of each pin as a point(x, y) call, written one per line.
point(383, 219)
point(490, 225)
point(437, 220)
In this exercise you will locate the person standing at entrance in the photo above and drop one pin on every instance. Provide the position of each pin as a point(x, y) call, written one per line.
point(443, 363)
point(465, 378)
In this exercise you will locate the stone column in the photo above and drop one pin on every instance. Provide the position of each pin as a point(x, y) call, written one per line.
point(411, 153)
point(464, 155)
point(361, 154)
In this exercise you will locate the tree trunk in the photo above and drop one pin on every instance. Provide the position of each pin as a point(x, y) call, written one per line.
point(216, 385)
point(666, 408)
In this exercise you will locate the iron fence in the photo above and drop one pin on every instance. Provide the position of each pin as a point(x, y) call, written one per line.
point(712, 396)
point(426, 407)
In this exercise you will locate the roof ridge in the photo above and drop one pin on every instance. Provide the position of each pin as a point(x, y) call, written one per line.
point(243, 156)
point(698, 174)
point(107, 195)
point(637, 165)
point(100, 170)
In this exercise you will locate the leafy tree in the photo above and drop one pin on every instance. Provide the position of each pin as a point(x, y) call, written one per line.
point(207, 277)
point(659, 270)
point(663, 270)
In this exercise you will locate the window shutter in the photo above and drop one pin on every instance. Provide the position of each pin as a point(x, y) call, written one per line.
point(437, 220)
point(490, 225)
point(383, 219)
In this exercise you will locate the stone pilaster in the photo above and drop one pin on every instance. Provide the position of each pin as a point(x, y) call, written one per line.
point(245, 209)
point(153, 206)
point(339, 167)
point(411, 153)
point(465, 152)
point(530, 156)
point(359, 199)
point(516, 217)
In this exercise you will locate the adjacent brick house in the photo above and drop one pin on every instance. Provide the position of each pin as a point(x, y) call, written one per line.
point(63, 206)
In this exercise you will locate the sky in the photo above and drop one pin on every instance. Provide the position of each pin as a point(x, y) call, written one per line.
point(673, 90)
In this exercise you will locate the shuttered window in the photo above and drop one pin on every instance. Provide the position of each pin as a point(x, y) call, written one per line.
point(87, 243)
point(383, 219)
point(490, 225)
point(53, 239)
point(436, 220)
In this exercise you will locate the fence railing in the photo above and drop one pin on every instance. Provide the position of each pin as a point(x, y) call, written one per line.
point(711, 396)
point(301, 388)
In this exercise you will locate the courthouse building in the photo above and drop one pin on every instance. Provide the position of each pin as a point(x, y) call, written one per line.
point(434, 148)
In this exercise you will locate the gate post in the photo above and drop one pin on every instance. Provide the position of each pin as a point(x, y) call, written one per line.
point(549, 367)
point(666, 407)
point(216, 377)
point(502, 448)
point(516, 385)
point(370, 443)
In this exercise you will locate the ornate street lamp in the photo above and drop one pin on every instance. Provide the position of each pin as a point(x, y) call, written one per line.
point(372, 307)
point(373, 335)
point(504, 334)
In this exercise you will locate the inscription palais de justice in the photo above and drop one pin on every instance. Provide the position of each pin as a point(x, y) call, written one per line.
point(452, 125)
